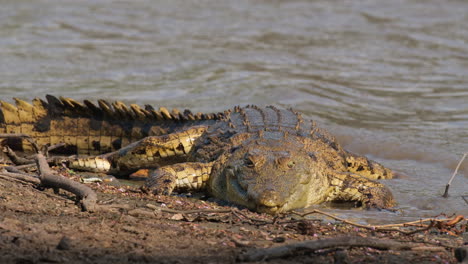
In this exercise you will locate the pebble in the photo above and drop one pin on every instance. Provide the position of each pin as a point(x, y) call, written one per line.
point(64, 244)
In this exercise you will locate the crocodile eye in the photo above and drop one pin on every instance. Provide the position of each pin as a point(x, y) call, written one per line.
point(291, 164)
point(233, 149)
point(249, 162)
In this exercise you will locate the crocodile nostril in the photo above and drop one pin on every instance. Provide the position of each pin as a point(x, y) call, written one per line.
point(268, 198)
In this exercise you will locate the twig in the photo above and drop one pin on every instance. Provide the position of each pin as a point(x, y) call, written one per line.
point(445, 195)
point(345, 221)
point(8, 178)
point(22, 177)
point(142, 212)
point(448, 221)
point(206, 211)
point(174, 211)
point(12, 169)
point(233, 211)
point(241, 243)
point(391, 227)
point(17, 169)
point(313, 245)
point(238, 213)
point(20, 167)
point(17, 160)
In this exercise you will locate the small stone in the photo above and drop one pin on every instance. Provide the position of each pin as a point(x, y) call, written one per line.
point(461, 254)
point(341, 257)
point(306, 228)
point(177, 217)
point(64, 244)
point(279, 239)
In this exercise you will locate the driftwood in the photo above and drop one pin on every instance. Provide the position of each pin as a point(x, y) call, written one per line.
point(338, 242)
point(47, 178)
point(50, 180)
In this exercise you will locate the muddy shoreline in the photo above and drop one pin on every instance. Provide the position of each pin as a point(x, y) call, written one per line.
point(40, 226)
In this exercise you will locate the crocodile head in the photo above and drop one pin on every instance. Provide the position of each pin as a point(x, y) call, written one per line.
point(269, 175)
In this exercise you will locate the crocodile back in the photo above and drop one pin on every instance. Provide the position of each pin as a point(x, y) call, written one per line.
point(268, 122)
point(270, 118)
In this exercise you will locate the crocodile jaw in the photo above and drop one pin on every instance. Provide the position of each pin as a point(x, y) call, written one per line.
point(271, 200)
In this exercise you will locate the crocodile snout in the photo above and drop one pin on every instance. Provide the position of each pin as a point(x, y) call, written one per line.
point(267, 201)
point(268, 198)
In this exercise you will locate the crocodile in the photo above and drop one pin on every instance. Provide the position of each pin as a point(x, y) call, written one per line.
point(268, 159)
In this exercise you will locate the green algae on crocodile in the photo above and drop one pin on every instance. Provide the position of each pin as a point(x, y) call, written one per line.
point(266, 159)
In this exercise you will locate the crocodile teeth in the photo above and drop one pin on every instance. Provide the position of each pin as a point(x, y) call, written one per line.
point(230, 173)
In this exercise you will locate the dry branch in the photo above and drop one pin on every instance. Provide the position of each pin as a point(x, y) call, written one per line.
point(22, 177)
point(313, 245)
point(173, 211)
point(15, 158)
point(50, 180)
point(432, 222)
point(445, 195)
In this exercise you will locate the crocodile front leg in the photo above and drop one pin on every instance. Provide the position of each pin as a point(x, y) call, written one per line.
point(353, 187)
point(150, 152)
point(182, 176)
point(366, 167)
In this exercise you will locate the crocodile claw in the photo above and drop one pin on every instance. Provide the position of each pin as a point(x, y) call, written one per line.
point(160, 182)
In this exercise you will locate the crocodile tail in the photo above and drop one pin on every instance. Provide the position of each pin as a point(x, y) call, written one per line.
point(88, 128)
point(22, 118)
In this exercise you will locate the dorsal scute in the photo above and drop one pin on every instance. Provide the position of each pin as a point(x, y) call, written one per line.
point(176, 115)
point(25, 111)
point(57, 107)
point(140, 113)
point(106, 108)
point(188, 115)
point(72, 107)
point(94, 109)
point(9, 113)
point(165, 113)
point(40, 108)
point(123, 111)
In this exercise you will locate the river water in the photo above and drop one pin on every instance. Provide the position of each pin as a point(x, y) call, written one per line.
point(388, 78)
